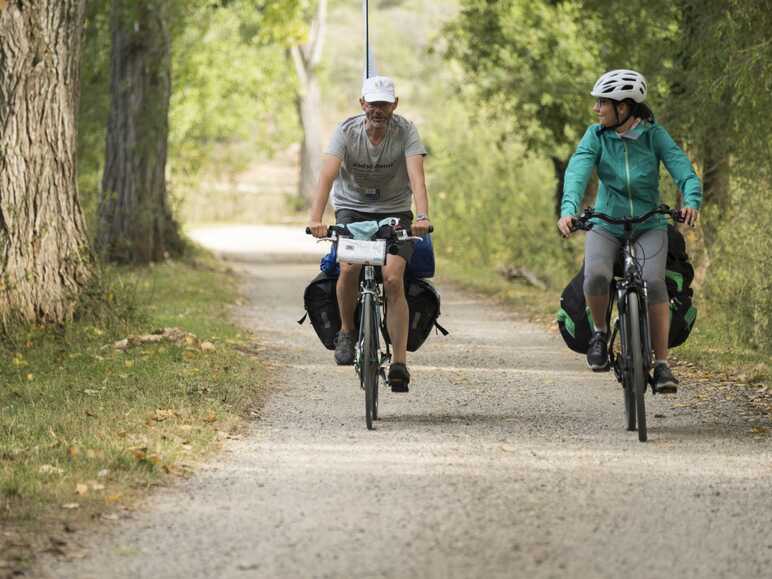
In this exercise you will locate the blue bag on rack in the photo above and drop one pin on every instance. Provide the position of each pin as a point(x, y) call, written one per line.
point(421, 265)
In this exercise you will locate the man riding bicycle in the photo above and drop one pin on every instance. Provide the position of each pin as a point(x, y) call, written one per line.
point(626, 147)
point(374, 166)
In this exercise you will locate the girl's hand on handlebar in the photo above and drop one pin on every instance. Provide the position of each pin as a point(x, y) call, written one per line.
point(690, 215)
point(565, 225)
point(421, 227)
point(318, 229)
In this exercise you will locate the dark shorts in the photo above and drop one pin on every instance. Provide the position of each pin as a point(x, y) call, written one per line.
point(346, 216)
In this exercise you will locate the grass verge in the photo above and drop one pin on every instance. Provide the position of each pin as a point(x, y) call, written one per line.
point(86, 428)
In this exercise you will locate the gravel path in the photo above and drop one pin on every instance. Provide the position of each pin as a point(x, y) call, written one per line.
point(506, 459)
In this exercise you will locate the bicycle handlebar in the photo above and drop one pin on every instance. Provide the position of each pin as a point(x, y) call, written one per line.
point(338, 229)
point(583, 222)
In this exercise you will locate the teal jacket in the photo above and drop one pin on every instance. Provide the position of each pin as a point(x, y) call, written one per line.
point(628, 168)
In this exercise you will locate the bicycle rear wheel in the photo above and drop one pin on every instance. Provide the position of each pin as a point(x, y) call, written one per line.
point(638, 379)
point(370, 359)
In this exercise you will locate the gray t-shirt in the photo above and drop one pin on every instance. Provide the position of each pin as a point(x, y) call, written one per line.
point(373, 178)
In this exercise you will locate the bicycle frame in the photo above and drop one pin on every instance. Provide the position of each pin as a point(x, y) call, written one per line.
point(631, 282)
point(369, 286)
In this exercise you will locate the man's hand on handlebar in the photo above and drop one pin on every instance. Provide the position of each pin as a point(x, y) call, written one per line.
point(421, 227)
point(689, 216)
point(565, 225)
point(317, 228)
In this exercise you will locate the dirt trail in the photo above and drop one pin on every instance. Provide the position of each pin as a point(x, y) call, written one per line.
point(506, 459)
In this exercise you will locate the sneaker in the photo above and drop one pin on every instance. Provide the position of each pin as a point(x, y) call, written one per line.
point(664, 381)
point(399, 377)
point(597, 353)
point(344, 349)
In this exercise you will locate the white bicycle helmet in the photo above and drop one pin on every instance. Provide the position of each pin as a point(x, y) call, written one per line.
point(621, 84)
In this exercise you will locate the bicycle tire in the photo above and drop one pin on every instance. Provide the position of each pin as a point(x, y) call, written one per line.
point(627, 379)
point(636, 351)
point(370, 360)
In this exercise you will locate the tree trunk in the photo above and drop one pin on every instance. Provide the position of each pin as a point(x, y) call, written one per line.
point(135, 222)
point(560, 172)
point(306, 59)
point(44, 254)
point(309, 105)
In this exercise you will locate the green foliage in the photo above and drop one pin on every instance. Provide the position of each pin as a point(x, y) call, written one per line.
point(534, 61)
point(491, 200)
point(739, 286)
point(233, 91)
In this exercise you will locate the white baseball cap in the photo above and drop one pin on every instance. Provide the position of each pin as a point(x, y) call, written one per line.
point(378, 89)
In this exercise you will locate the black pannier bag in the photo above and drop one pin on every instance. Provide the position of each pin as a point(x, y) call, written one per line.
point(575, 320)
point(574, 317)
point(321, 303)
point(423, 299)
point(679, 275)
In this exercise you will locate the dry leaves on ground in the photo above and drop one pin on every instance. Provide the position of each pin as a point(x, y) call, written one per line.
point(173, 335)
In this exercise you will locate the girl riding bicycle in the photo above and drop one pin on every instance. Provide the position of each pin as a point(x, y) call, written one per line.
point(626, 147)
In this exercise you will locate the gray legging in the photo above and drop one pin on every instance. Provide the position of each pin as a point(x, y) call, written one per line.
point(601, 249)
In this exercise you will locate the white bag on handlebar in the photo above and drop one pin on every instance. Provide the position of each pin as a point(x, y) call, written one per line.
point(362, 251)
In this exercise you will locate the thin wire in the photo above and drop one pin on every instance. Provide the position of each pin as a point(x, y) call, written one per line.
point(644, 257)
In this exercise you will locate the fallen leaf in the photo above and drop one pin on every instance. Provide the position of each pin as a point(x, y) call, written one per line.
point(81, 489)
point(72, 452)
point(207, 347)
point(70, 506)
point(50, 469)
point(161, 415)
point(103, 473)
point(211, 417)
point(139, 453)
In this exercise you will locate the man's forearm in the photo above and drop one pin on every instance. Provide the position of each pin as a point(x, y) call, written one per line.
point(415, 170)
point(319, 203)
point(421, 201)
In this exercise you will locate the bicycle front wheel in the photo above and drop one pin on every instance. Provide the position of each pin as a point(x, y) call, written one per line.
point(638, 378)
point(370, 359)
point(627, 375)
